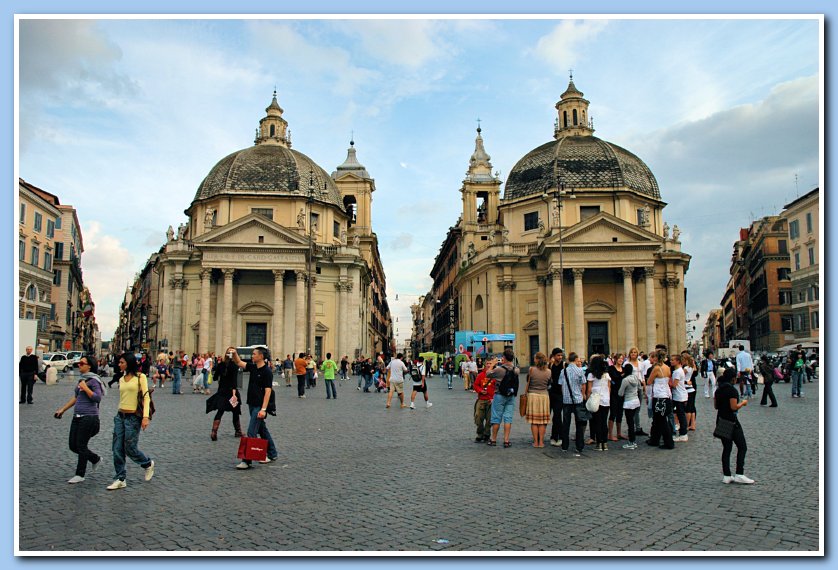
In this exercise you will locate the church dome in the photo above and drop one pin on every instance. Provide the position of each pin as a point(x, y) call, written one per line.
point(578, 158)
point(269, 168)
point(582, 162)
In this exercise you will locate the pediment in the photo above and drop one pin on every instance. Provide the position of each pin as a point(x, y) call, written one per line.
point(248, 230)
point(599, 306)
point(603, 228)
point(256, 308)
point(531, 326)
point(320, 327)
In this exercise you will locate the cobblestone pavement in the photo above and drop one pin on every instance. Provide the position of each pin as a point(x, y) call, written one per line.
point(355, 476)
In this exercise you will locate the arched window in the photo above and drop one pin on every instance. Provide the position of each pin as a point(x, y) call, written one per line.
point(565, 119)
point(575, 118)
point(272, 130)
point(478, 303)
point(31, 293)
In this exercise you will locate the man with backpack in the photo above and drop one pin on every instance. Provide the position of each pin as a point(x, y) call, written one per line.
point(418, 374)
point(798, 372)
point(503, 404)
point(395, 379)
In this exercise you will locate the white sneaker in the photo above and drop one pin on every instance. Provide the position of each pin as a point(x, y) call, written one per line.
point(149, 471)
point(555, 443)
point(118, 484)
point(743, 480)
point(75, 479)
point(428, 405)
point(95, 466)
point(727, 479)
point(242, 465)
point(412, 407)
point(630, 446)
point(267, 460)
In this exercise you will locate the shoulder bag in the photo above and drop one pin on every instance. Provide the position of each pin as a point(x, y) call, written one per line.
point(522, 399)
point(582, 413)
point(724, 429)
point(592, 403)
point(141, 398)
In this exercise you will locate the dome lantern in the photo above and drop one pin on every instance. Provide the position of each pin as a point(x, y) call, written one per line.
point(573, 114)
point(272, 127)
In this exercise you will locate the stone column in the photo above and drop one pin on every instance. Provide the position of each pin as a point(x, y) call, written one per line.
point(507, 287)
point(671, 322)
point(680, 313)
point(204, 322)
point(628, 304)
point(227, 314)
point(558, 339)
point(651, 318)
point(542, 314)
point(312, 320)
point(342, 344)
point(178, 284)
point(581, 345)
point(277, 323)
point(164, 316)
point(300, 313)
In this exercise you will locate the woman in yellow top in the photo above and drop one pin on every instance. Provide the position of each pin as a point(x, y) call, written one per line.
point(127, 424)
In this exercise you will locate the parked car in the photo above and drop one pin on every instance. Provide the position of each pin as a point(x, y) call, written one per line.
point(74, 356)
point(57, 360)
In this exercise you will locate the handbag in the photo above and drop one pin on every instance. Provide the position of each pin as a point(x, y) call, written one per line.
point(592, 404)
point(141, 397)
point(582, 413)
point(724, 428)
point(253, 449)
point(522, 405)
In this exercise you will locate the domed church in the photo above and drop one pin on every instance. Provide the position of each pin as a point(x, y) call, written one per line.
point(277, 252)
point(576, 253)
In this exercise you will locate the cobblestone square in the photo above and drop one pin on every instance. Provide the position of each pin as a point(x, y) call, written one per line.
point(354, 476)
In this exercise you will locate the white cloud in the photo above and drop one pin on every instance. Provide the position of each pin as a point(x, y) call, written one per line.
point(563, 47)
point(406, 43)
point(108, 267)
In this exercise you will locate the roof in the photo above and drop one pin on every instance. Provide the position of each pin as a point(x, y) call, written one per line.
point(802, 198)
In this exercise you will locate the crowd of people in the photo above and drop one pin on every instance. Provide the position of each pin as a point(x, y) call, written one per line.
point(602, 397)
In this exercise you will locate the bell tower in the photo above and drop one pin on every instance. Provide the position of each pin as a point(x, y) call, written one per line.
point(273, 129)
point(480, 190)
point(573, 117)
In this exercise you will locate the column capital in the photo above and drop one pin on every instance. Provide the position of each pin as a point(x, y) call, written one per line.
point(178, 283)
point(301, 274)
point(670, 282)
point(649, 272)
point(628, 272)
point(228, 273)
point(578, 272)
point(544, 279)
point(206, 273)
point(279, 274)
point(556, 274)
point(506, 285)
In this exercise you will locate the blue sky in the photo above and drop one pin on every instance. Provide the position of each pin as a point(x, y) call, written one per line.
point(124, 118)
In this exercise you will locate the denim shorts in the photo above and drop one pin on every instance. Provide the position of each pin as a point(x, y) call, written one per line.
point(503, 409)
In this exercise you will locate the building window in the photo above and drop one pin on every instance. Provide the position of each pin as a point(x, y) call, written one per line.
point(797, 261)
point(801, 322)
point(809, 222)
point(783, 273)
point(478, 303)
point(56, 280)
point(575, 118)
point(21, 250)
point(58, 223)
point(530, 221)
point(785, 297)
point(801, 296)
point(815, 320)
point(69, 315)
point(810, 294)
point(811, 256)
point(314, 221)
point(31, 293)
point(36, 256)
point(586, 212)
point(273, 130)
point(50, 228)
point(52, 312)
point(42, 323)
point(23, 213)
point(59, 250)
point(794, 229)
point(70, 285)
point(786, 323)
point(336, 230)
point(817, 292)
point(782, 246)
point(38, 221)
point(265, 212)
point(47, 261)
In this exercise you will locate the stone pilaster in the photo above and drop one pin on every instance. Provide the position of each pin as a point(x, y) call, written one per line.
point(628, 305)
point(227, 314)
point(541, 284)
point(671, 284)
point(557, 333)
point(278, 321)
point(651, 317)
point(300, 313)
point(204, 322)
point(579, 312)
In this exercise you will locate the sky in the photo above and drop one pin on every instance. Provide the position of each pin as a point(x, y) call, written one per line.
point(124, 118)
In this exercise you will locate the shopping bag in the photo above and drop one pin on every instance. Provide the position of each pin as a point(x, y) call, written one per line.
point(253, 449)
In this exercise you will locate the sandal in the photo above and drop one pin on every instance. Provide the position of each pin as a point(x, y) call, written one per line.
point(506, 444)
point(492, 442)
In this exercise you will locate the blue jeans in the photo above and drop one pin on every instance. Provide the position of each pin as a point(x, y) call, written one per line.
point(331, 384)
point(176, 382)
point(257, 428)
point(126, 436)
point(798, 377)
point(450, 379)
point(205, 374)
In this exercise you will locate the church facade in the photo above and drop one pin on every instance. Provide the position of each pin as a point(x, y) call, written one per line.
point(275, 252)
point(575, 253)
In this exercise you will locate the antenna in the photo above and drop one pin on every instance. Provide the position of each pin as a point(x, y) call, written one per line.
point(796, 188)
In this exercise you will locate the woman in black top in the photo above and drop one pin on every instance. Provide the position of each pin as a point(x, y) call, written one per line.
point(615, 371)
point(727, 403)
point(226, 373)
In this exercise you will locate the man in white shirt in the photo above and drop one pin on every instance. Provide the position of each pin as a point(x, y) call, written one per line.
point(744, 366)
point(395, 379)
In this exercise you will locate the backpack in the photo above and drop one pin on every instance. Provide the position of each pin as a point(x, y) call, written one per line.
point(415, 375)
point(509, 384)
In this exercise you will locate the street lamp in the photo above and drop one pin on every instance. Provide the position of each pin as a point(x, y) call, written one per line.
point(558, 195)
point(309, 202)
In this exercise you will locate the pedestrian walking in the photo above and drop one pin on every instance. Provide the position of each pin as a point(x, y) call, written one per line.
point(574, 394)
point(87, 395)
point(465, 372)
point(708, 372)
point(503, 404)
point(395, 378)
point(484, 386)
point(555, 394)
point(27, 368)
point(206, 371)
point(768, 382)
point(538, 401)
point(329, 368)
point(344, 368)
point(227, 398)
point(744, 367)
point(798, 372)
point(728, 404)
point(287, 370)
point(259, 401)
point(300, 372)
point(131, 418)
point(419, 373)
point(178, 365)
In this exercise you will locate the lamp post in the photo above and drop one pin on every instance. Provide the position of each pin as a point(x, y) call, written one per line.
point(309, 202)
point(558, 195)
